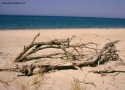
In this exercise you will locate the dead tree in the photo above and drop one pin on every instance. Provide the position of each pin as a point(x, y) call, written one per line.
point(108, 52)
point(62, 44)
point(108, 49)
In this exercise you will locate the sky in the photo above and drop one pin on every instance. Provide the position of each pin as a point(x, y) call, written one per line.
point(81, 8)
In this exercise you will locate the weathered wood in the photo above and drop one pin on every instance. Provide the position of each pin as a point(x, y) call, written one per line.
point(62, 44)
point(35, 38)
point(96, 57)
point(106, 71)
point(28, 70)
point(110, 69)
point(36, 46)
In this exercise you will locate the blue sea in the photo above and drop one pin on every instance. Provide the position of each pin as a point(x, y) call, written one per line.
point(12, 22)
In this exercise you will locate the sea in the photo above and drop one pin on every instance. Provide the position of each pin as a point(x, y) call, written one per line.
point(17, 22)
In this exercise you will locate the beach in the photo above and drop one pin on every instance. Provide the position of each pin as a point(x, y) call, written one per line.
point(12, 42)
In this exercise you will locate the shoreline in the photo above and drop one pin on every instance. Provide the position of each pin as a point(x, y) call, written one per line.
point(64, 29)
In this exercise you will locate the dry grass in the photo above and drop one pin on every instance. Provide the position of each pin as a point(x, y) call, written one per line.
point(5, 82)
point(34, 83)
point(37, 81)
point(22, 85)
point(77, 86)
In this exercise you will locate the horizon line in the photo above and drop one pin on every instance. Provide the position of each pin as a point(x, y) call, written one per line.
point(61, 16)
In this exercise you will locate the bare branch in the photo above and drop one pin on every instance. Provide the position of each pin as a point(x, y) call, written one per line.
point(35, 37)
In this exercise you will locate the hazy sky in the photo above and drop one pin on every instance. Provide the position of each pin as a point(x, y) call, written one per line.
point(84, 8)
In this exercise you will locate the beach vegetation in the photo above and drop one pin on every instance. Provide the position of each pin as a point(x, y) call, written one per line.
point(77, 86)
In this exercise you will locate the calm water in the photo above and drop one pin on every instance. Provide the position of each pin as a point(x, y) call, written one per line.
point(51, 22)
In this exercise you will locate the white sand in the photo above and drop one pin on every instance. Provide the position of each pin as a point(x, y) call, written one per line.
point(12, 43)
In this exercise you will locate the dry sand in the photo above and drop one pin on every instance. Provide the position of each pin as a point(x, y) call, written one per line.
point(12, 43)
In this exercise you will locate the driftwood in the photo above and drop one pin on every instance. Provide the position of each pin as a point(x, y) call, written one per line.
point(76, 65)
point(108, 52)
point(109, 69)
point(36, 46)
point(28, 70)
point(97, 58)
point(62, 44)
